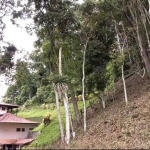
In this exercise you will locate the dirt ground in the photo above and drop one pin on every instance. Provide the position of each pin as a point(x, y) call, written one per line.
point(118, 126)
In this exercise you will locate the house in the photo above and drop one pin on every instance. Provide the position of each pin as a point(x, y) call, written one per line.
point(4, 107)
point(14, 130)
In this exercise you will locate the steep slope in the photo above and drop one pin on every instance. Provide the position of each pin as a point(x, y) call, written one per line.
point(119, 126)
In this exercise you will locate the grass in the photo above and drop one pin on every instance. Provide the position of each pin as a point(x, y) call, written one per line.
point(51, 132)
point(48, 134)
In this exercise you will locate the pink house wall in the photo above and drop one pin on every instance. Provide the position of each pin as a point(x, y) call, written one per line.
point(8, 130)
point(3, 111)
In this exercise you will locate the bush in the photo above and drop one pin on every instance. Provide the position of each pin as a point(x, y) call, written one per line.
point(70, 99)
point(79, 97)
point(43, 106)
point(90, 96)
point(27, 104)
point(46, 119)
point(15, 110)
point(52, 106)
point(34, 100)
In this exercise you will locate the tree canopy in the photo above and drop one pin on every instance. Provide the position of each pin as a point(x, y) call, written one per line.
point(68, 24)
point(81, 49)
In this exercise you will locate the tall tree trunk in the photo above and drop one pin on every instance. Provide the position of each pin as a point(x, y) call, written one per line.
point(75, 104)
point(103, 100)
point(124, 85)
point(149, 6)
point(146, 61)
point(63, 93)
point(60, 64)
point(143, 50)
point(83, 83)
point(140, 16)
point(122, 68)
point(66, 104)
point(57, 96)
point(59, 116)
point(71, 125)
point(83, 91)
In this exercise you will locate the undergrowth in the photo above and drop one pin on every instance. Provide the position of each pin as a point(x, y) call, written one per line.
point(50, 133)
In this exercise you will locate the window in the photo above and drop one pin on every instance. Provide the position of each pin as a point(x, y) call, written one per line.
point(18, 129)
point(23, 129)
point(3, 108)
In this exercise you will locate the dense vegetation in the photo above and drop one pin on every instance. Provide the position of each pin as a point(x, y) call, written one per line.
point(91, 24)
point(81, 50)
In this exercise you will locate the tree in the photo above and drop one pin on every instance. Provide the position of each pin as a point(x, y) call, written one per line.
point(97, 36)
point(121, 45)
point(6, 59)
point(23, 85)
point(100, 45)
point(61, 89)
point(54, 20)
point(137, 14)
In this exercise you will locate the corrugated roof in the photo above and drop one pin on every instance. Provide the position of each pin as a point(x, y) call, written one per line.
point(23, 141)
point(9, 105)
point(11, 118)
point(7, 141)
point(15, 141)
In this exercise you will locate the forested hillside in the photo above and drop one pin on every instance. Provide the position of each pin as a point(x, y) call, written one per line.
point(82, 52)
point(118, 126)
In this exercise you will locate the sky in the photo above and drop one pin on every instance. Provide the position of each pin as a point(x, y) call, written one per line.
point(21, 39)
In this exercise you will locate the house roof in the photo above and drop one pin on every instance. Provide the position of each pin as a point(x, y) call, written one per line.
point(11, 118)
point(23, 141)
point(15, 141)
point(7, 141)
point(9, 105)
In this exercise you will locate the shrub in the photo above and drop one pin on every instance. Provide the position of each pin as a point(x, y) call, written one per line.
point(79, 97)
point(46, 119)
point(27, 104)
point(43, 106)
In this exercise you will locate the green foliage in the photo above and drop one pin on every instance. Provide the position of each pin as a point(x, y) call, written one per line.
point(24, 86)
point(66, 24)
point(113, 70)
point(15, 110)
point(79, 97)
point(6, 58)
point(50, 133)
point(59, 79)
point(45, 94)
point(47, 119)
point(27, 104)
point(97, 24)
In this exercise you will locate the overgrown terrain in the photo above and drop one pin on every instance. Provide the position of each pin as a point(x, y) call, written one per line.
point(83, 52)
point(119, 126)
point(50, 133)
